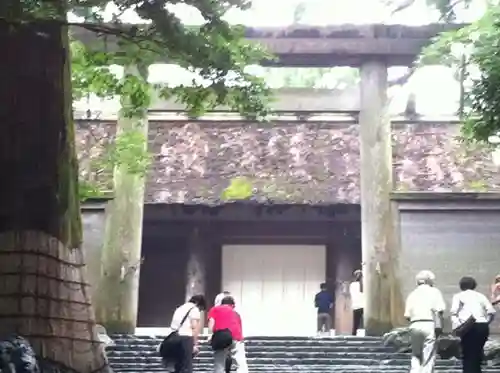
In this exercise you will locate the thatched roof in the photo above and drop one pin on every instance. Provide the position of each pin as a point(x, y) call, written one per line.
point(313, 163)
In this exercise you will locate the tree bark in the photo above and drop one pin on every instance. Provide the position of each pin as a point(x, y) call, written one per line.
point(44, 295)
point(196, 273)
point(116, 308)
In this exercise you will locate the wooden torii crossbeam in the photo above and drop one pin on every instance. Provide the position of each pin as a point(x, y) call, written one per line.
point(340, 45)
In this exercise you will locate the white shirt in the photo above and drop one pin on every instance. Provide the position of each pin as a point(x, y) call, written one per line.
point(470, 303)
point(357, 297)
point(424, 303)
point(181, 311)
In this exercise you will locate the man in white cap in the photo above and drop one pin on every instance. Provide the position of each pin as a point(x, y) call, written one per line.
point(424, 310)
point(220, 297)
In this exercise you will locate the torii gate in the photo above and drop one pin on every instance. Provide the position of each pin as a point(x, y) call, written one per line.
point(372, 49)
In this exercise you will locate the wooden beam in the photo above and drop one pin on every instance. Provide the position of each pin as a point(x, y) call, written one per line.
point(245, 229)
point(241, 212)
point(471, 197)
point(301, 100)
point(340, 45)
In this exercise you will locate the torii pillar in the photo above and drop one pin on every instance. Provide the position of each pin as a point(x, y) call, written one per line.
point(383, 309)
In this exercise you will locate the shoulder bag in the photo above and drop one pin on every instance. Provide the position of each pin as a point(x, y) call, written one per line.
point(221, 339)
point(170, 345)
point(466, 325)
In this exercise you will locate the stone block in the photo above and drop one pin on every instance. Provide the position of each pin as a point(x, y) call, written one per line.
point(448, 345)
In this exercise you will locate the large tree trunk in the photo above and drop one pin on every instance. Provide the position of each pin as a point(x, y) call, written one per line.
point(117, 303)
point(43, 291)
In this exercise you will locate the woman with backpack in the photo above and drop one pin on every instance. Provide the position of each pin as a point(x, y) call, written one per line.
point(227, 338)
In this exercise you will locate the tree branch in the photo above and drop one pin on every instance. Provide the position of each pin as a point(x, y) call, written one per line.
point(402, 80)
point(403, 6)
point(446, 10)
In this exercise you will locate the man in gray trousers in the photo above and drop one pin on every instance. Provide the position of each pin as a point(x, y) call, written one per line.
point(323, 301)
point(424, 310)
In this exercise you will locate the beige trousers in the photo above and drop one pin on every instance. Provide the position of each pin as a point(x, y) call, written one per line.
point(423, 347)
point(237, 352)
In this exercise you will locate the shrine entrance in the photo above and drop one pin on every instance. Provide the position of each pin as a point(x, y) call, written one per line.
point(274, 286)
point(272, 258)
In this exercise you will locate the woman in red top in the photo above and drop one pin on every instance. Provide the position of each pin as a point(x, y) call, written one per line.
point(226, 324)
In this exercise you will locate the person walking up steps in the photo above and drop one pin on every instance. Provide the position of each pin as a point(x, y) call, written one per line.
point(179, 347)
point(227, 338)
point(323, 301)
point(424, 310)
point(220, 297)
point(357, 301)
point(471, 316)
point(217, 302)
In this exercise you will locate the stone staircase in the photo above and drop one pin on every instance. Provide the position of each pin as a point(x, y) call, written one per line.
point(137, 354)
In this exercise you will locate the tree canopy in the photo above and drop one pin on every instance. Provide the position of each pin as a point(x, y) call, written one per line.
point(215, 50)
point(475, 50)
point(218, 53)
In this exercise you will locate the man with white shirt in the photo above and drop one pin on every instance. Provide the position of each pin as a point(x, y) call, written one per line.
point(424, 310)
point(471, 315)
point(186, 324)
point(220, 297)
point(357, 301)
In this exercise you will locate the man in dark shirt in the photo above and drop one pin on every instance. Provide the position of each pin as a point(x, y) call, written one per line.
point(323, 301)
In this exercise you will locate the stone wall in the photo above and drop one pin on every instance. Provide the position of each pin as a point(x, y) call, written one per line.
point(93, 140)
point(296, 162)
point(453, 237)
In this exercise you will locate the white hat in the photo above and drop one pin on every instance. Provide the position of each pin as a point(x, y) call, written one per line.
point(220, 297)
point(425, 276)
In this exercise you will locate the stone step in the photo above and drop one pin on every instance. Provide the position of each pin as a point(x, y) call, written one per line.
point(320, 370)
point(274, 354)
point(142, 343)
point(313, 369)
point(152, 349)
point(260, 361)
point(138, 354)
point(263, 338)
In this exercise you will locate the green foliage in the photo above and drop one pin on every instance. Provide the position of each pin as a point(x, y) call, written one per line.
point(478, 186)
point(90, 73)
point(135, 95)
point(88, 190)
point(240, 188)
point(479, 43)
point(447, 8)
point(130, 152)
point(484, 118)
point(216, 51)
